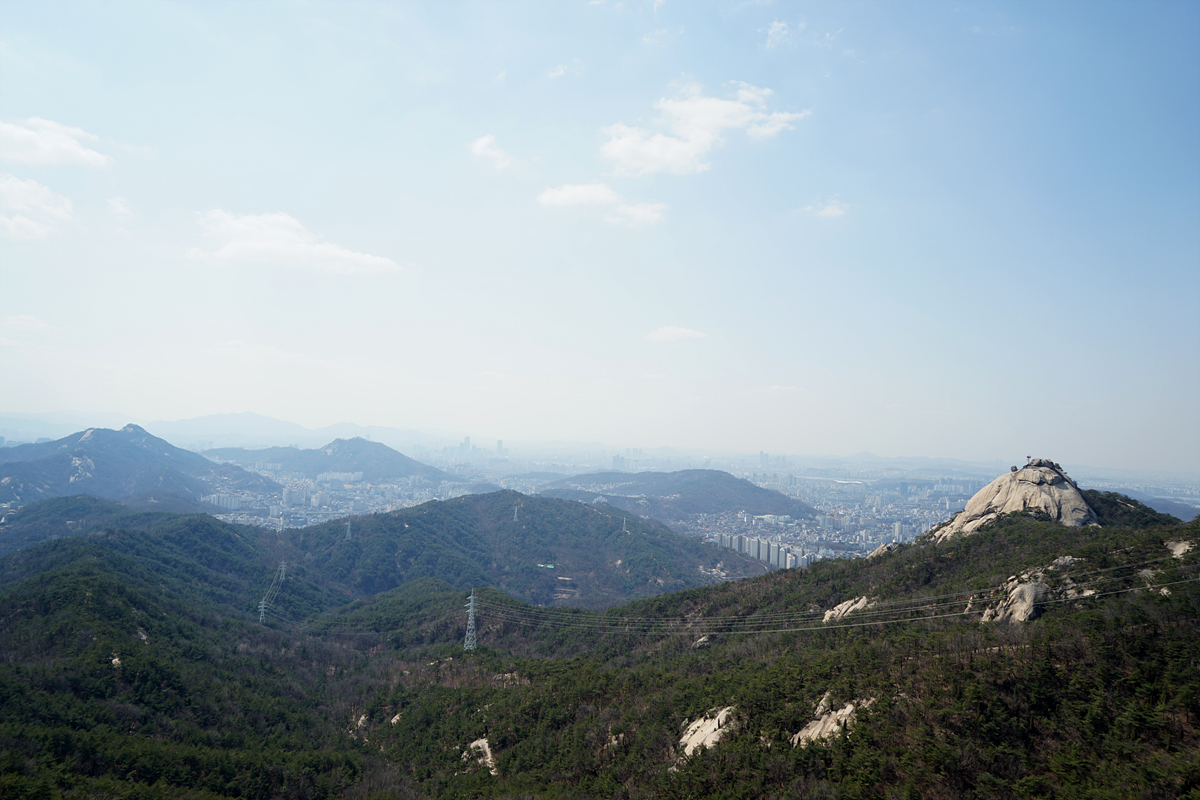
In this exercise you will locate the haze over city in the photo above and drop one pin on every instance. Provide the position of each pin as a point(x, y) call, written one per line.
point(965, 230)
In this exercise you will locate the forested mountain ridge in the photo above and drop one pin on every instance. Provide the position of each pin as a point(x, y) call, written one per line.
point(545, 551)
point(676, 495)
point(114, 465)
point(377, 462)
point(130, 671)
point(1097, 696)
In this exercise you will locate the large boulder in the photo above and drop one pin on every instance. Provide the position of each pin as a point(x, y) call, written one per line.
point(1041, 485)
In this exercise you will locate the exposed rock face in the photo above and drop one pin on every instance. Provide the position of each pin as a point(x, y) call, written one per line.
point(1040, 486)
point(481, 753)
point(1179, 549)
point(1021, 597)
point(849, 607)
point(707, 731)
point(1021, 605)
point(828, 722)
point(883, 549)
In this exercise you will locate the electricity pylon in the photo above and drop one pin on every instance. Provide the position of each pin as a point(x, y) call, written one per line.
point(469, 642)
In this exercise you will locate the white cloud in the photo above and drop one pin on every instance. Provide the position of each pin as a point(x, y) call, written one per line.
point(118, 207)
point(32, 197)
point(695, 124)
point(830, 209)
point(25, 322)
point(22, 227)
point(601, 194)
point(485, 147)
point(42, 142)
point(671, 333)
point(583, 194)
point(780, 33)
point(36, 207)
point(656, 38)
point(637, 214)
point(777, 34)
point(281, 239)
point(574, 66)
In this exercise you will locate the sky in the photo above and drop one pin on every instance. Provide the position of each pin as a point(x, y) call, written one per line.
point(955, 229)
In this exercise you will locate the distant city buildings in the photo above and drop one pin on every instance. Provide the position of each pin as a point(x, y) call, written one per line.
point(858, 507)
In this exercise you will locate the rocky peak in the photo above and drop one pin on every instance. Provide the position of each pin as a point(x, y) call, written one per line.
point(1041, 485)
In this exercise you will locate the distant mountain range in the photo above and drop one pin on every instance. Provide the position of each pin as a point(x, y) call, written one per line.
point(677, 495)
point(117, 464)
point(377, 462)
point(247, 429)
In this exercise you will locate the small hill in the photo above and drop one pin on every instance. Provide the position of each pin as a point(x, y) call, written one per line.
point(1041, 486)
point(116, 464)
point(62, 517)
point(545, 551)
point(1118, 509)
point(677, 495)
point(155, 671)
point(377, 462)
point(555, 552)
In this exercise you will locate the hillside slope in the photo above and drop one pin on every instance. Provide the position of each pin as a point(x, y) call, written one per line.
point(377, 462)
point(545, 551)
point(677, 495)
point(1097, 696)
point(116, 464)
point(702, 693)
point(554, 552)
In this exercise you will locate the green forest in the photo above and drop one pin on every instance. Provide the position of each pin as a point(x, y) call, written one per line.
point(135, 664)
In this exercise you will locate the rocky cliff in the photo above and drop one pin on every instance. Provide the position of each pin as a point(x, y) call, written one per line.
point(1041, 485)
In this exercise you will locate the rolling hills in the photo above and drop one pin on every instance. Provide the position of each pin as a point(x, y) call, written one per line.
point(134, 665)
point(116, 464)
point(545, 551)
point(677, 495)
point(377, 462)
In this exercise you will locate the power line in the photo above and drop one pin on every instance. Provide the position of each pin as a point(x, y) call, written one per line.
point(909, 610)
point(272, 593)
point(904, 610)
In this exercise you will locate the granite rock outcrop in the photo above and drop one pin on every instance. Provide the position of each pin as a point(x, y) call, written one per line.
point(1039, 486)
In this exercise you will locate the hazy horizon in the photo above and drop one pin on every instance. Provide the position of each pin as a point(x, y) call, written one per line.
point(945, 230)
point(429, 441)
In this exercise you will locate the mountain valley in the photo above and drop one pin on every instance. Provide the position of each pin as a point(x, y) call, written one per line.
point(1027, 659)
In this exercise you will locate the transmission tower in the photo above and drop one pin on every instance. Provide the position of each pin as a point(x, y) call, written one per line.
point(347, 531)
point(517, 506)
point(469, 642)
point(272, 591)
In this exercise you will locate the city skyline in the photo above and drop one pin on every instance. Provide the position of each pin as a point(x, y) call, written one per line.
point(943, 230)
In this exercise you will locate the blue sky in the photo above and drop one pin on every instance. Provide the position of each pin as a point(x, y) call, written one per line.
point(946, 229)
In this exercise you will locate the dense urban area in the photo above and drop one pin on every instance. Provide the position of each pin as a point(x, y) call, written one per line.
point(860, 507)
